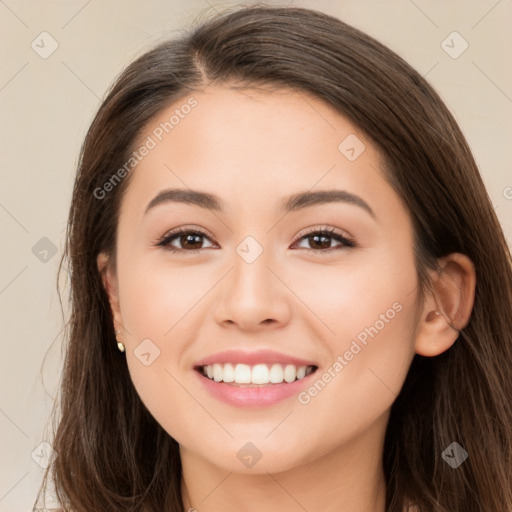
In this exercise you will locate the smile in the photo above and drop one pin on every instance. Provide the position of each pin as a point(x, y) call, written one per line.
point(255, 375)
point(253, 379)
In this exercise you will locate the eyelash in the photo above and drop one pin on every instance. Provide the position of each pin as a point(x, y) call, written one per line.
point(347, 243)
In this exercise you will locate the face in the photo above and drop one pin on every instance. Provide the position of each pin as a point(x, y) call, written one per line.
point(308, 301)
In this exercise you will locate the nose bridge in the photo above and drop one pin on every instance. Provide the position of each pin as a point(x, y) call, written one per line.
point(250, 274)
point(251, 293)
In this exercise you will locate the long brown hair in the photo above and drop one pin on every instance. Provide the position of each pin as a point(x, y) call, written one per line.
point(113, 455)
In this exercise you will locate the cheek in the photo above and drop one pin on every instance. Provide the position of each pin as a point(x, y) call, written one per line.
point(365, 375)
point(159, 307)
point(364, 290)
point(158, 299)
point(371, 311)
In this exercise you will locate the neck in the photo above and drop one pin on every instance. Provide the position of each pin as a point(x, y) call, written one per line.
point(347, 478)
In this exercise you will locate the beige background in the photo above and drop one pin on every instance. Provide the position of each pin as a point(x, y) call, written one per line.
point(47, 104)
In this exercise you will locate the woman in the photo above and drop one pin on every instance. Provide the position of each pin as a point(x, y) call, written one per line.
point(289, 287)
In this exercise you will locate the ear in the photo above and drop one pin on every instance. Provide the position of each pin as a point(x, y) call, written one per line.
point(109, 280)
point(448, 307)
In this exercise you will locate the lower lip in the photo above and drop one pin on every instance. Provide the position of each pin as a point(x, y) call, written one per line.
point(254, 396)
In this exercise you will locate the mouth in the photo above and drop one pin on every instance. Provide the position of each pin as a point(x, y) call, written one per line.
point(257, 375)
point(254, 378)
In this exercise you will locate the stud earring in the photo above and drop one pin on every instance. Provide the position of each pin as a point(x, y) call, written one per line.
point(120, 345)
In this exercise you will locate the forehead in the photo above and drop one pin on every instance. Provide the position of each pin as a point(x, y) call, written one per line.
point(253, 145)
point(225, 116)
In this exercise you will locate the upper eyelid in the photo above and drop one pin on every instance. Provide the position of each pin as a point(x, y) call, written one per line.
point(185, 229)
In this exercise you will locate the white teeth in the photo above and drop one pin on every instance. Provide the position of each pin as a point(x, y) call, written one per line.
point(257, 374)
point(228, 373)
point(276, 374)
point(242, 374)
point(290, 373)
point(260, 374)
point(217, 372)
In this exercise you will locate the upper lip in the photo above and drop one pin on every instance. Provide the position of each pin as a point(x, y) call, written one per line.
point(252, 358)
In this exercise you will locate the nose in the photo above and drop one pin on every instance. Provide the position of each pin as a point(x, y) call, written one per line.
point(252, 295)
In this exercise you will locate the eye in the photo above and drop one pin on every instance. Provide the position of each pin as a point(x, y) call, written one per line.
point(189, 239)
point(321, 240)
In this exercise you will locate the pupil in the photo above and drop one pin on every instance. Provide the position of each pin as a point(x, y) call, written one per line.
point(190, 238)
point(325, 238)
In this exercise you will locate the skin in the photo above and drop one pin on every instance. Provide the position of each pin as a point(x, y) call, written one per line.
point(253, 148)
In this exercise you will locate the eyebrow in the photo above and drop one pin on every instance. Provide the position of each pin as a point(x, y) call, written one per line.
point(292, 203)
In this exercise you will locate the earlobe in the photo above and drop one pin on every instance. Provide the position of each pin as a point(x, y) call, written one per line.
point(448, 308)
